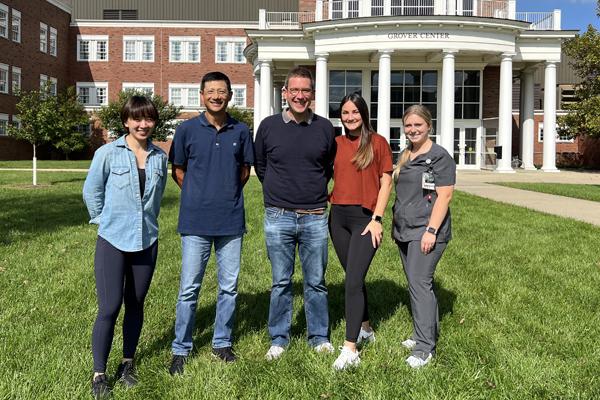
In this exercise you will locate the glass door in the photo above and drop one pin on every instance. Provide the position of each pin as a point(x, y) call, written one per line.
point(466, 154)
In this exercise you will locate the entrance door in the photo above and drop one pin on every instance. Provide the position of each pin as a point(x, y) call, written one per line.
point(466, 154)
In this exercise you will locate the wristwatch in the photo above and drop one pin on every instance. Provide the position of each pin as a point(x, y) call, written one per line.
point(431, 229)
point(377, 218)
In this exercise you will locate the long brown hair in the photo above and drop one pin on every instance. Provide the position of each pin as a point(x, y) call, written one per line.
point(364, 155)
point(420, 111)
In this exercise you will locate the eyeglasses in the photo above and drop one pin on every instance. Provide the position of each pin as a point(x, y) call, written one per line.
point(220, 93)
point(295, 92)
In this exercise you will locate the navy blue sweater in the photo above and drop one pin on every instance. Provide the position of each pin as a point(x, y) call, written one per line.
point(294, 161)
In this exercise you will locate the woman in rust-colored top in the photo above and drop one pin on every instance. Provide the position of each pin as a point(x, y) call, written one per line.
point(362, 183)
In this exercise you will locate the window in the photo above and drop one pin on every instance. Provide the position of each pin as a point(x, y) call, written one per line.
point(559, 138)
point(239, 95)
point(53, 41)
point(184, 49)
point(16, 122)
point(43, 80)
point(53, 86)
point(340, 84)
point(186, 95)
point(43, 37)
point(92, 94)
point(145, 87)
point(3, 20)
point(3, 78)
point(16, 80)
point(138, 48)
point(230, 50)
point(466, 94)
point(3, 124)
point(120, 14)
point(567, 95)
point(16, 26)
point(92, 48)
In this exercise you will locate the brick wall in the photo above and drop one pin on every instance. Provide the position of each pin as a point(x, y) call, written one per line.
point(307, 5)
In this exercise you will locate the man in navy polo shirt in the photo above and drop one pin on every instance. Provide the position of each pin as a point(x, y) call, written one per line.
point(294, 161)
point(211, 156)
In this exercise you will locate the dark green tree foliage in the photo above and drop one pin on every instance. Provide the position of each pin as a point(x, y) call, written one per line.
point(69, 137)
point(584, 115)
point(167, 114)
point(244, 115)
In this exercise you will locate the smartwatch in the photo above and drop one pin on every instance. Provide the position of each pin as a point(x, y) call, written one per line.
point(377, 218)
point(431, 229)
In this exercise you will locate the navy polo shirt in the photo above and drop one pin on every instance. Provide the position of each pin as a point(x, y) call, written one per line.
point(212, 201)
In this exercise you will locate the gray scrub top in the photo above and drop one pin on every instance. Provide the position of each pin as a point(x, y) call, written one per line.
point(413, 205)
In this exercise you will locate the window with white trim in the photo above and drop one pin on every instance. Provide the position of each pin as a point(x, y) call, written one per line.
point(43, 37)
point(238, 97)
point(230, 50)
point(16, 26)
point(559, 138)
point(145, 87)
point(184, 49)
point(138, 48)
point(53, 86)
point(16, 121)
point(53, 41)
point(3, 78)
point(185, 95)
point(16, 80)
point(92, 93)
point(43, 80)
point(3, 20)
point(92, 48)
point(3, 124)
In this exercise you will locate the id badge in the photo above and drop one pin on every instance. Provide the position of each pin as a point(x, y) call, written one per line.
point(428, 181)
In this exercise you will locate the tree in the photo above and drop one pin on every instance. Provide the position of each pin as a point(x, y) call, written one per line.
point(584, 115)
point(244, 115)
point(68, 136)
point(110, 115)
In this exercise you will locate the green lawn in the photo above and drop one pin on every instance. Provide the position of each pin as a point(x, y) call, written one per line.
point(56, 164)
point(518, 295)
point(585, 192)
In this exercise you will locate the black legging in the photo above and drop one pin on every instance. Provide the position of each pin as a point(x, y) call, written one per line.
point(355, 252)
point(121, 278)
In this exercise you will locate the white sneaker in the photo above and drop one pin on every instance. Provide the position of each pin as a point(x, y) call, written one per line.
point(365, 336)
point(274, 353)
point(324, 347)
point(346, 359)
point(418, 362)
point(409, 343)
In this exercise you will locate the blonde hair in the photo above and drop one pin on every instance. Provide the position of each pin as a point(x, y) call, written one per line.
point(420, 111)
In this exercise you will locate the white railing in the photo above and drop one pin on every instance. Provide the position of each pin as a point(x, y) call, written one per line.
point(345, 9)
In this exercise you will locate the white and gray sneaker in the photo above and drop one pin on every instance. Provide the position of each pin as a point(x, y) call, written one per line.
point(365, 337)
point(409, 343)
point(274, 352)
point(418, 362)
point(324, 347)
point(346, 359)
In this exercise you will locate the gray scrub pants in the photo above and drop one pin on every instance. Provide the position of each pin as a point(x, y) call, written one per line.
point(419, 269)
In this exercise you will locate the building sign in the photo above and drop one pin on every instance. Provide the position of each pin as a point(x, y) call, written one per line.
point(418, 35)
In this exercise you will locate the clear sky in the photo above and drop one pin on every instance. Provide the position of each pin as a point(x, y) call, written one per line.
point(576, 14)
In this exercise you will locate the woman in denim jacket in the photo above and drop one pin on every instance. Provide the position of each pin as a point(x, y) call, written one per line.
point(122, 192)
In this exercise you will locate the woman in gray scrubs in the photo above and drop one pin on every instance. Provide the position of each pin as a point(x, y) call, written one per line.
point(425, 175)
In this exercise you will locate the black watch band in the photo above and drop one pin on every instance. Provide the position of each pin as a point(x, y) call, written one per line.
point(377, 218)
point(431, 229)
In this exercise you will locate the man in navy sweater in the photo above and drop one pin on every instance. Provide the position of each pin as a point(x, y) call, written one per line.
point(294, 161)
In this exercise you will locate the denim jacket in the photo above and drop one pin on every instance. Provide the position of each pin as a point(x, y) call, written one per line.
point(111, 193)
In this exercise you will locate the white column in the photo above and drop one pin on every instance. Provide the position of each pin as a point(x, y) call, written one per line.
point(505, 114)
point(549, 164)
point(257, 116)
point(446, 124)
point(277, 98)
point(321, 85)
point(266, 89)
point(451, 9)
point(527, 121)
point(384, 93)
point(319, 10)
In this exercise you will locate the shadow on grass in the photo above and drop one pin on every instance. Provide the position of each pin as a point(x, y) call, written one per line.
point(253, 309)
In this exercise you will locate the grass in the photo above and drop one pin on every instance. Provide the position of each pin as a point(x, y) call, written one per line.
point(54, 164)
point(518, 306)
point(585, 192)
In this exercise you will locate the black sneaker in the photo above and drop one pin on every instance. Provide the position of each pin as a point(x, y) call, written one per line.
point(224, 353)
point(126, 374)
point(100, 389)
point(177, 363)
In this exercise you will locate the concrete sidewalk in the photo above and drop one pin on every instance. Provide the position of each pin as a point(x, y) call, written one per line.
point(480, 183)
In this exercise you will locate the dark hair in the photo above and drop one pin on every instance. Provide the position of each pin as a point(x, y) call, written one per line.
point(216, 76)
point(300, 72)
point(138, 107)
point(364, 155)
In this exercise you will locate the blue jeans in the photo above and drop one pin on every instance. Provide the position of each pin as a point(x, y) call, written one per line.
point(195, 254)
point(284, 230)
